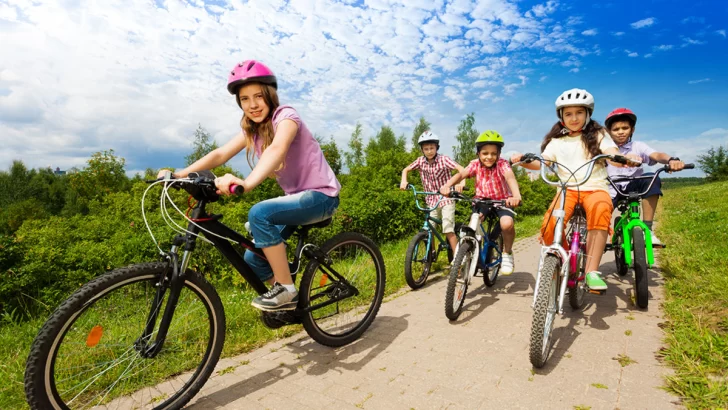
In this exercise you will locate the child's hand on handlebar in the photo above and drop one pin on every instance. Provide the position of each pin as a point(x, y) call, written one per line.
point(445, 190)
point(460, 187)
point(513, 201)
point(223, 183)
point(675, 165)
point(403, 186)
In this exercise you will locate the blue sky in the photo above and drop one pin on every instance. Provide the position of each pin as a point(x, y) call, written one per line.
point(77, 77)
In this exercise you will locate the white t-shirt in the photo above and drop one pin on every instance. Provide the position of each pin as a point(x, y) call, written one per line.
point(571, 152)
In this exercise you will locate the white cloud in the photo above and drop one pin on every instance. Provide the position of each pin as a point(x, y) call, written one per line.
point(703, 80)
point(693, 19)
point(721, 32)
point(687, 41)
point(633, 54)
point(663, 47)
point(543, 78)
point(644, 23)
point(590, 32)
point(618, 33)
point(574, 70)
point(648, 55)
point(129, 74)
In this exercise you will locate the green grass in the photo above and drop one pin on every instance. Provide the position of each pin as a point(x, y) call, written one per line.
point(694, 222)
point(245, 331)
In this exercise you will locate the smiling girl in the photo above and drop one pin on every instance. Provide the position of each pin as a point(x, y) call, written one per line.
point(287, 151)
point(573, 141)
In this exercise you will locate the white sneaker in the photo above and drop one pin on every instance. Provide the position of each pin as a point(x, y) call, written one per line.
point(507, 264)
point(655, 240)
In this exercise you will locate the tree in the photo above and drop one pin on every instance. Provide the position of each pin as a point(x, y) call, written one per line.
point(355, 157)
point(715, 163)
point(421, 127)
point(331, 153)
point(202, 145)
point(467, 134)
point(104, 174)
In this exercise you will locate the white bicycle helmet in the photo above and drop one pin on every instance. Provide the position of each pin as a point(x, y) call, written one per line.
point(575, 97)
point(428, 136)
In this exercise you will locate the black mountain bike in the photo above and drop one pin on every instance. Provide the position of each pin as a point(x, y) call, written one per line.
point(150, 334)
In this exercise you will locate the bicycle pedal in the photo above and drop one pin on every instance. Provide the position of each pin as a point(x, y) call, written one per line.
point(597, 292)
point(659, 246)
point(608, 247)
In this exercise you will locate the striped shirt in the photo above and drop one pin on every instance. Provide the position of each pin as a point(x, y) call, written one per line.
point(490, 182)
point(434, 175)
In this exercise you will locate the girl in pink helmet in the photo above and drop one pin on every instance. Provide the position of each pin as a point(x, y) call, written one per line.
point(286, 150)
point(572, 141)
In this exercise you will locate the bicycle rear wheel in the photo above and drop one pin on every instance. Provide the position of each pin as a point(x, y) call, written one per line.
point(619, 258)
point(358, 259)
point(544, 312)
point(417, 261)
point(457, 283)
point(87, 353)
point(640, 267)
point(491, 274)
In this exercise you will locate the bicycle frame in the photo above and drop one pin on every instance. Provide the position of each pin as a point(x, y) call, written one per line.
point(202, 222)
point(487, 241)
point(427, 224)
point(555, 248)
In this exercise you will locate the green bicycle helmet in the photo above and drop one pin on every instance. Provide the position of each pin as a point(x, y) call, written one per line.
point(489, 137)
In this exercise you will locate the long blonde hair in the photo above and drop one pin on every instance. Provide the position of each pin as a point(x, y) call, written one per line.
point(263, 129)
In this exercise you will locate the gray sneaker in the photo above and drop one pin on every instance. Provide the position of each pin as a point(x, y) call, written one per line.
point(277, 298)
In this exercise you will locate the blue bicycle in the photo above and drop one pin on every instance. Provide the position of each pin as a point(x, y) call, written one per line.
point(423, 251)
point(477, 254)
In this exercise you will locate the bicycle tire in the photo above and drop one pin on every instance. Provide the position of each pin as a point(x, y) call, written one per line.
point(362, 265)
point(457, 283)
point(544, 312)
point(65, 340)
point(450, 251)
point(417, 252)
point(491, 275)
point(619, 258)
point(640, 267)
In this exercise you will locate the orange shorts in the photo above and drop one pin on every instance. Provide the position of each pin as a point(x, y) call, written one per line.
point(598, 207)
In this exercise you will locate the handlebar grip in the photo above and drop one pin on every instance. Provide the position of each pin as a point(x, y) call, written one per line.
point(528, 157)
point(236, 189)
point(620, 159)
point(689, 166)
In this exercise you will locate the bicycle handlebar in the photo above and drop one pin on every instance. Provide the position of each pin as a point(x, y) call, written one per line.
point(530, 157)
point(615, 181)
point(415, 192)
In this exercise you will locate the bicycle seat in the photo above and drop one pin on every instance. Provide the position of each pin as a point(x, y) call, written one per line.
point(321, 224)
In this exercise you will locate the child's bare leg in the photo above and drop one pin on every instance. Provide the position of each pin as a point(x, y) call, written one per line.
point(649, 205)
point(452, 239)
point(595, 242)
point(508, 229)
point(278, 260)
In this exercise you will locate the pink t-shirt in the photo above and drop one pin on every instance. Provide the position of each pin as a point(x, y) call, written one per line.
point(305, 168)
point(490, 182)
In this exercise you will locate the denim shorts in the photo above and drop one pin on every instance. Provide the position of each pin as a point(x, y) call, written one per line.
point(640, 185)
point(269, 218)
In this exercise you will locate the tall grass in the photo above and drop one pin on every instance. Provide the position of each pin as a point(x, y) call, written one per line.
point(694, 222)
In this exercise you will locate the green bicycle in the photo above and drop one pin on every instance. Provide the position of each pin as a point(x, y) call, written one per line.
point(423, 251)
point(632, 239)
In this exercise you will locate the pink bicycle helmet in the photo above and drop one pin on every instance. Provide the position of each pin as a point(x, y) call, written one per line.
point(250, 71)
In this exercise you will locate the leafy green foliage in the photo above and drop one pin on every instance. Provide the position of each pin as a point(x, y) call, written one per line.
point(202, 145)
point(715, 163)
point(421, 127)
point(355, 156)
point(466, 136)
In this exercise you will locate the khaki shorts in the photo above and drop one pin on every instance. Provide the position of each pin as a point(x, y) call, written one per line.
point(447, 215)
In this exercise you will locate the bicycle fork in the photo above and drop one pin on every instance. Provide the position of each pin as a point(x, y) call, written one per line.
point(174, 284)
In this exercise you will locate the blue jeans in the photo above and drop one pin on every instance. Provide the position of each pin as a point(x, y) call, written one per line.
point(268, 220)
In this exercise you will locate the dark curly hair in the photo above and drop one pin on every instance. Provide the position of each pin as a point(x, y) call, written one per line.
point(589, 136)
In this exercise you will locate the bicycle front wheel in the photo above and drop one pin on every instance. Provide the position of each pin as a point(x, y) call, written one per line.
point(88, 352)
point(457, 283)
point(491, 274)
point(544, 312)
point(619, 258)
point(640, 267)
point(417, 261)
point(358, 259)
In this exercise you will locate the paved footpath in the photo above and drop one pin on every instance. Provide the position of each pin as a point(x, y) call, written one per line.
point(413, 357)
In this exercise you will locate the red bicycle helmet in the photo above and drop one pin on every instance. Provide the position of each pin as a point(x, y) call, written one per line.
point(250, 71)
point(619, 113)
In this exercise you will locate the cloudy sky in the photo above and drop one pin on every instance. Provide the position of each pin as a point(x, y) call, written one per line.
point(138, 76)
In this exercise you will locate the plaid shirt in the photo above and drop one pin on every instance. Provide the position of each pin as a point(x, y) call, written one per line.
point(490, 182)
point(434, 175)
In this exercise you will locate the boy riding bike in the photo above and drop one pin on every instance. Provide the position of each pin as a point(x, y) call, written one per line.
point(494, 179)
point(620, 124)
point(435, 170)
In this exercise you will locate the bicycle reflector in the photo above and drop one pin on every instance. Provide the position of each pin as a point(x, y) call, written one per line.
point(94, 336)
